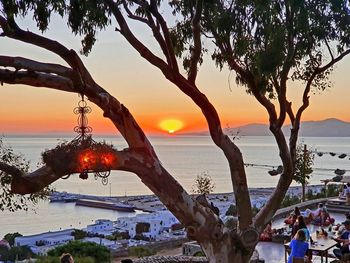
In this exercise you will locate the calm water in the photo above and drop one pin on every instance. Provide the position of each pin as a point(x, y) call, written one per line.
point(184, 157)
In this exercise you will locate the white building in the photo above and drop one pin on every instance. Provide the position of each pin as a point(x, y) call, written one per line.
point(158, 222)
point(101, 226)
point(104, 242)
point(48, 238)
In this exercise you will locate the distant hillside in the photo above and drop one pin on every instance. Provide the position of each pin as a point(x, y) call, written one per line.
point(325, 128)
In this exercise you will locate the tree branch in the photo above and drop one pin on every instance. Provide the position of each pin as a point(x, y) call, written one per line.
point(23, 63)
point(197, 46)
point(139, 47)
point(36, 79)
point(309, 83)
point(329, 49)
point(166, 34)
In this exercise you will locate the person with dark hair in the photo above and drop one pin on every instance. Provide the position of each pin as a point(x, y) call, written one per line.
point(300, 225)
point(344, 241)
point(66, 258)
point(293, 216)
point(298, 246)
point(297, 211)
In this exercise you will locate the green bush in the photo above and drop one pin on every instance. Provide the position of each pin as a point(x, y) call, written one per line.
point(48, 260)
point(290, 200)
point(78, 249)
point(10, 237)
point(57, 260)
point(79, 234)
point(14, 253)
point(231, 211)
point(140, 251)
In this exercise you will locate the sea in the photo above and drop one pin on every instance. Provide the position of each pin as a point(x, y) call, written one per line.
point(184, 157)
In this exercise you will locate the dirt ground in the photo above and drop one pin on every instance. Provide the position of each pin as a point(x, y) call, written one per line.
point(164, 252)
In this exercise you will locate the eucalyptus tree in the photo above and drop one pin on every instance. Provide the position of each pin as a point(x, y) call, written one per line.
point(267, 44)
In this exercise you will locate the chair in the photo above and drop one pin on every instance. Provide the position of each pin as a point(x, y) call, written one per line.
point(298, 260)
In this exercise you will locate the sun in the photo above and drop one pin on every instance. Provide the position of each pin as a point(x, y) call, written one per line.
point(171, 125)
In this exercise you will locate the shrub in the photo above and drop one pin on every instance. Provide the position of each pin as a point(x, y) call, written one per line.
point(78, 249)
point(290, 200)
point(141, 251)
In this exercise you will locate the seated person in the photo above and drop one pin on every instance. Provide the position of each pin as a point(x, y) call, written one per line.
point(266, 235)
point(300, 225)
point(318, 216)
point(340, 228)
point(292, 216)
point(343, 240)
point(298, 247)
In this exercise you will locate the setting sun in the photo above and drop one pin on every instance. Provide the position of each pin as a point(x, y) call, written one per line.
point(171, 125)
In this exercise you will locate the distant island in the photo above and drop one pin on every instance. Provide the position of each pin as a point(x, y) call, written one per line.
point(325, 128)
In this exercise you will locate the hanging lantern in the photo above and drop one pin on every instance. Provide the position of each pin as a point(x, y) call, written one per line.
point(273, 172)
point(342, 156)
point(339, 172)
point(89, 156)
point(279, 169)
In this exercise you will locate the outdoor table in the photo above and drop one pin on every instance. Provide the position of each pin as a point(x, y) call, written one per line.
point(320, 247)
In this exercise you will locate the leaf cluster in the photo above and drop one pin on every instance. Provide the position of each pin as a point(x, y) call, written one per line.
point(84, 17)
point(303, 164)
point(8, 200)
point(271, 38)
point(64, 158)
point(203, 184)
point(15, 253)
point(10, 237)
point(79, 249)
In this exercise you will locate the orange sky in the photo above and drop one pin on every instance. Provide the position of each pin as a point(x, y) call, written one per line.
point(145, 91)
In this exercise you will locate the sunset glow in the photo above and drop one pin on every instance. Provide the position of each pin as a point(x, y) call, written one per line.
point(171, 125)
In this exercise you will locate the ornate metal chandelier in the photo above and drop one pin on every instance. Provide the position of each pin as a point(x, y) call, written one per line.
point(82, 154)
point(94, 157)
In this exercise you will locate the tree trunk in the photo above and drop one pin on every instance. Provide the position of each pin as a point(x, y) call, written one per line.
point(226, 251)
point(303, 191)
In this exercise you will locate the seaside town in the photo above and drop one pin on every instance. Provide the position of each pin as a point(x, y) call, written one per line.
point(157, 228)
point(219, 128)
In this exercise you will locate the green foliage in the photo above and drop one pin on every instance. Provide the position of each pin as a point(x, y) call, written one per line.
point(14, 253)
point(85, 17)
point(255, 210)
point(141, 251)
point(270, 38)
point(203, 184)
point(231, 211)
point(48, 260)
point(303, 164)
point(199, 254)
point(332, 190)
point(79, 234)
point(141, 237)
point(118, 236)
point(290, 200)
point(57, 260)
point(10, 237)
point(60, 158)
point(78, 249)
point(8, 200)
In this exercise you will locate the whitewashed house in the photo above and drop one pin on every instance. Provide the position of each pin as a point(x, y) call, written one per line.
point(158, 222)
point(101, 226)
point(48, 238)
